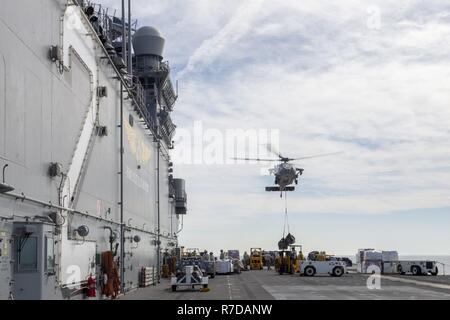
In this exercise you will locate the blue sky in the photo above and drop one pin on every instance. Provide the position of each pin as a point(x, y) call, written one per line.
point(370, 78)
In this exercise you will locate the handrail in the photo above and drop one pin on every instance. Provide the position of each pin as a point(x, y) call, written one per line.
point(120, 77)
point(22, 197)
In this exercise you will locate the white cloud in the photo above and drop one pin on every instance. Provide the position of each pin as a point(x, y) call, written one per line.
point(315, 71)
point(238, 26)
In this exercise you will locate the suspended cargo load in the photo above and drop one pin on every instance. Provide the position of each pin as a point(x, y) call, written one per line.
point(282, 244)
point(290, 239)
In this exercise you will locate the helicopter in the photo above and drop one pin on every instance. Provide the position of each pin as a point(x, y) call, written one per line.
point(286, 173)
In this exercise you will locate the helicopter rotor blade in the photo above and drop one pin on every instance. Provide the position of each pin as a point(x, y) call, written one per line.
point(273, 150)
point(255, 159)
point(316, 156)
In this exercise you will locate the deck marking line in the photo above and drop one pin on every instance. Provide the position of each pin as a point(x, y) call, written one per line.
point(229, 287)
point(420, 283)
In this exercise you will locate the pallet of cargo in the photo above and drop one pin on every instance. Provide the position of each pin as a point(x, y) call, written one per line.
point(147, 277)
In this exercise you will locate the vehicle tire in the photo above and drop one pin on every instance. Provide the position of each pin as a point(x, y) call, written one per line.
point(338, 272)
point(310, 271)
point(400, 269)
point(174, 288)
point(205, 286)
point(436, 272)
point(415, 270)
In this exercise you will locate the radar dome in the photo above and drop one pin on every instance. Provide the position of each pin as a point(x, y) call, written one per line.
point(148, 41)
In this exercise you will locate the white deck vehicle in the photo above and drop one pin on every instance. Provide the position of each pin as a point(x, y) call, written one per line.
point(191, 277)
point(417, 268)
point(224, 266)
point(310, 268)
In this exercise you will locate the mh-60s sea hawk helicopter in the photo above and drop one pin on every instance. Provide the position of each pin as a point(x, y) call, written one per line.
point(286, 173)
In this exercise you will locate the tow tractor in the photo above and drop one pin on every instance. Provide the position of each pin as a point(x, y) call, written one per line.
point(417, 268)
point(322, 264)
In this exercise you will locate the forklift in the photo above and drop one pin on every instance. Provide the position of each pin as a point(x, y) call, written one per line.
point(288, 260)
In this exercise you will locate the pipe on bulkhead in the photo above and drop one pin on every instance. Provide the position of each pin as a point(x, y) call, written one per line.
point(4, 172)
point(130, 54)
point(124, 42)
point(158, 257)
point(122, 226)
point(111, 237)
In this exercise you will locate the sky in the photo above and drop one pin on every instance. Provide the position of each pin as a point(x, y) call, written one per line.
point(367, 78)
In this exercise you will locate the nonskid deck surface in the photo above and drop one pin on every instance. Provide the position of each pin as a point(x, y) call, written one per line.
point(268, 285)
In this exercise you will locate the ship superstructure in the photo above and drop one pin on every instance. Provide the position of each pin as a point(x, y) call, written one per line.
point(85, 137)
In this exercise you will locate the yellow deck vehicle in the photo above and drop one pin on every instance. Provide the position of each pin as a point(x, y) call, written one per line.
point(284, 262)
point(256, 260)
point(288, 261)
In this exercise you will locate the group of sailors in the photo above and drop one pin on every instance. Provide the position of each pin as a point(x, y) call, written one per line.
point(270, 258)
point(169, 263)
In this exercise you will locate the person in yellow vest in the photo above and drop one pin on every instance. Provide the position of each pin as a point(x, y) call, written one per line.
point(293, 261)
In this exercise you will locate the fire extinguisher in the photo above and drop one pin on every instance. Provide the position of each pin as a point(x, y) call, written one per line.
point(91, 286)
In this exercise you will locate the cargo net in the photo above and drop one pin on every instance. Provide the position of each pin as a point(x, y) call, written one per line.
point(288, 239)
